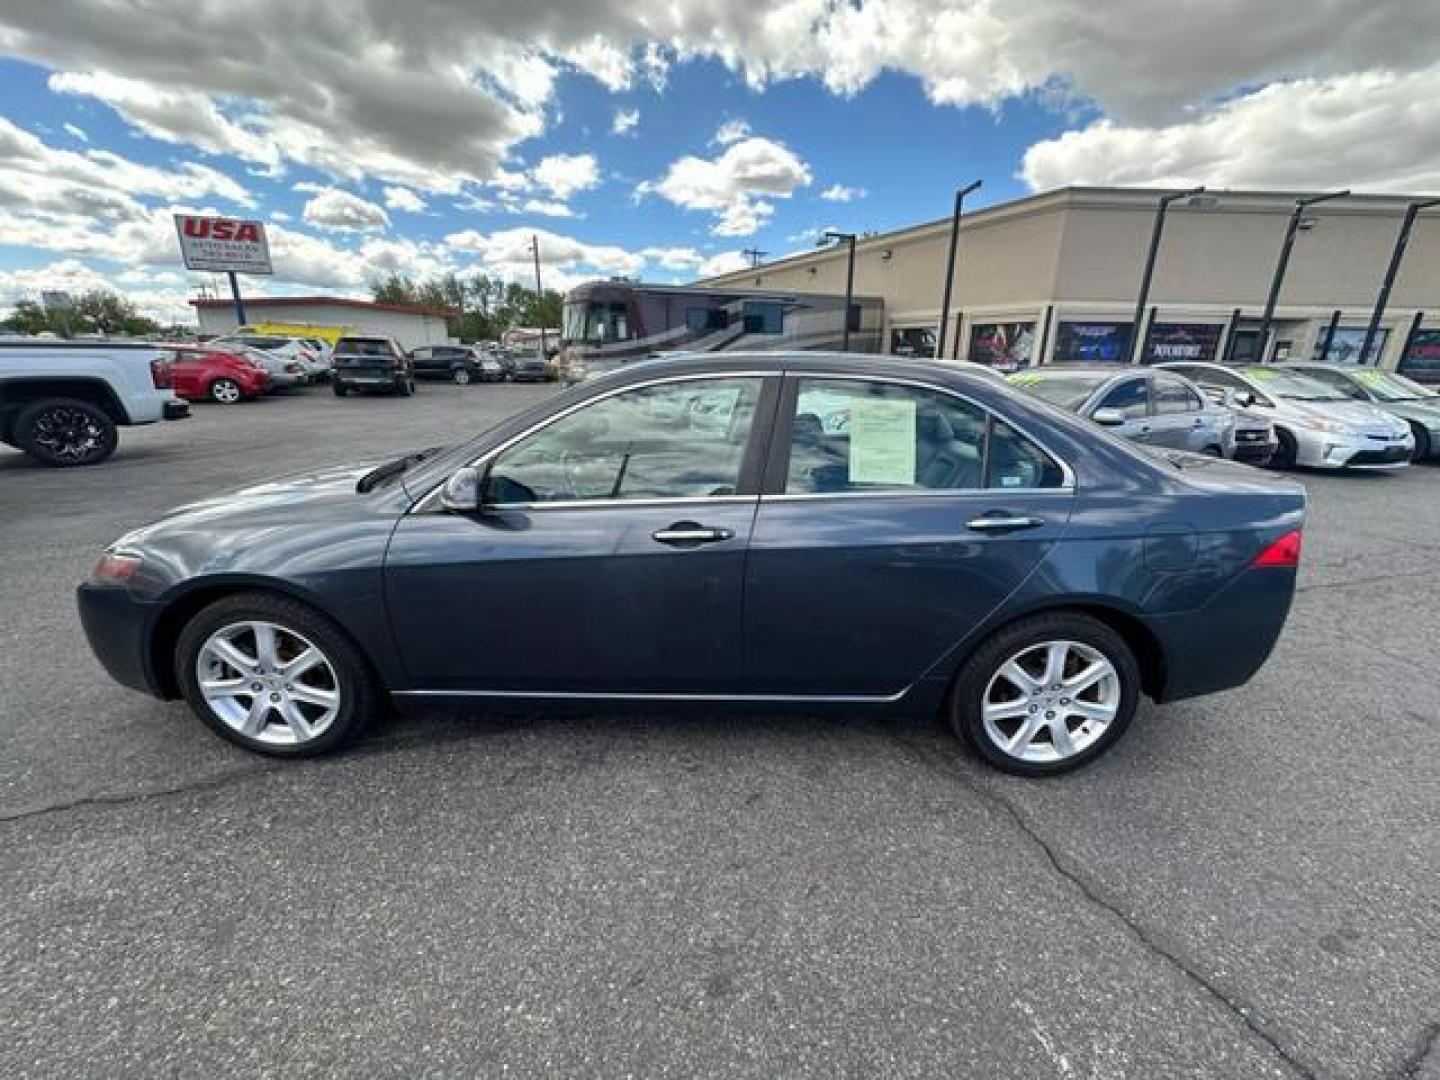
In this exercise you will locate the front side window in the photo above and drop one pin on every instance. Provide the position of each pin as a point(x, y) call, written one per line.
point(764, 317)
point(680, 440)
point(1130, 398)
point(861, 436)
point(1173, 396)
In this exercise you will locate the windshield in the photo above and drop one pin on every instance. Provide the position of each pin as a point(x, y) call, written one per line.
point(1387, 386)
point(1290, 385)
point(1068, 389)
point(594, 322)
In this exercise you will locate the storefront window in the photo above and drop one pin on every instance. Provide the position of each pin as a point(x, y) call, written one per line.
point(913, 341)
point(1346, 344)
point(1421, 361)
point(1194, 343)
point(1006, 346)
point(1093, 343)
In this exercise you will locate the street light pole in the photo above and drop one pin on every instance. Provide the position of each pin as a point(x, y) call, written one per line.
point(539, 293)
point(1284, 261)
point(960, 194)
point(849, 283)
point(1137, 339)
point(1390, 273)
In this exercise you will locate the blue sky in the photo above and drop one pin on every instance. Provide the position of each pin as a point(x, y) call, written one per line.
point(652, 139)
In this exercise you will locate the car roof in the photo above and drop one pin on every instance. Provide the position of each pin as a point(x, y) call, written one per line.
point(1108, 370)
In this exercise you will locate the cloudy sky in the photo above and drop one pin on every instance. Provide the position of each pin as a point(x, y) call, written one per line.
point(655, 138)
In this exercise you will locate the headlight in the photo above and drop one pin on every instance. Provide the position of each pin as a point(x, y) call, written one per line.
point(1332, 427)
point(116, 566)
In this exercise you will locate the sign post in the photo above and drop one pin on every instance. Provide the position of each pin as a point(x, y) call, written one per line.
point(229, 245)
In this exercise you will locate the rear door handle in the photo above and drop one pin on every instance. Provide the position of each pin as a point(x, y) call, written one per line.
point(688, 533)
point(1003, 523)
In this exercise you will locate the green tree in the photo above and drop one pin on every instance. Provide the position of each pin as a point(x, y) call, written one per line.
point(27, 318)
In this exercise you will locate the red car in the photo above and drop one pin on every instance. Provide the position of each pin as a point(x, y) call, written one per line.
point(207, 374)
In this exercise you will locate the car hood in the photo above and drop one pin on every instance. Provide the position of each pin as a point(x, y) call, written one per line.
point(1359, 415)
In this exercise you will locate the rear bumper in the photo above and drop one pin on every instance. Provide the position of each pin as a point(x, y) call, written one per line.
point(1223, 644)
point(118, 628)
point(175, 409)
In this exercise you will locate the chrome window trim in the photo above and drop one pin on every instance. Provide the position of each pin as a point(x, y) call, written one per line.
point(916, 493)
point(580, 695)
point(599, 504)
point(429, 502)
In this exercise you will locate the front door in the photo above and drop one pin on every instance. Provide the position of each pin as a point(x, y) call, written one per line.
point(609, 557)
point(886, 534)
point(1131, 399)
point(1181, 418)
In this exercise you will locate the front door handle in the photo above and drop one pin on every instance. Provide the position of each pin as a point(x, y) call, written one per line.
point(998, 523)
point(689, 533)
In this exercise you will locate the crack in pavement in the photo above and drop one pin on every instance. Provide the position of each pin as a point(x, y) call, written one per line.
point(1424, 1047)
point(1237, 1009)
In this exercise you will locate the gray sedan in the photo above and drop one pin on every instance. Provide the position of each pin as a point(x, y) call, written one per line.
point(1402, 398)
point(1157, 408)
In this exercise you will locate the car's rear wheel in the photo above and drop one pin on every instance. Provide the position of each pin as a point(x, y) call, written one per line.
point(65, 432)
point(225, 391)
point(462, 377)
point(1422, 443)
point(275, 676)
point(1047, 694)
point(404, 387)
point(339, 389)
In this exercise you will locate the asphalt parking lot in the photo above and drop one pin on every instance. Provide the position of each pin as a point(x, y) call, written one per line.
point(1249, 885)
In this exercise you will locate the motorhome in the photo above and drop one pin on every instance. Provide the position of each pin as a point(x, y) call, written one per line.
point(607, 324)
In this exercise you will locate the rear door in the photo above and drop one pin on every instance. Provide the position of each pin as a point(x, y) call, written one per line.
point(1181, 418)
point(887, 533)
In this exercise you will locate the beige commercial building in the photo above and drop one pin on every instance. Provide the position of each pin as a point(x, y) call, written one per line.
point(1055, 277)
point(411, 326)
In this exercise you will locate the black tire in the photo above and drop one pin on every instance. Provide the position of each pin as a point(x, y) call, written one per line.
point(983, 667)
point(65, 432)
point(1422, 443)
point(225, 391)
point(1213, 451)
point(404, 387)
point(339, 389)
point(461, 376)
point(1286, 452)
point(361, 695)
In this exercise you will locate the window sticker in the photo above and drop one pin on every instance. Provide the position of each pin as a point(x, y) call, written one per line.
point(882, 441)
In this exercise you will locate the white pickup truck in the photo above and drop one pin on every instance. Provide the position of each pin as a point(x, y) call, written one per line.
point(62, 401)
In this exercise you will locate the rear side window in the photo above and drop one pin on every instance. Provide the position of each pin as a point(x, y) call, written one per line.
point(851, 436)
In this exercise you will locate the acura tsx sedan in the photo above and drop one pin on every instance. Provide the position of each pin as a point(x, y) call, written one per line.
point(770, 531)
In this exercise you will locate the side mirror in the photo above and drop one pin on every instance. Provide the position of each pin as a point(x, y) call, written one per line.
point(1244, 398)
point(461, 493)
point(1108, 417)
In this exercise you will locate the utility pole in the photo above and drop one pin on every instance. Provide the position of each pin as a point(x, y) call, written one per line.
point(754, 255)
point(539, 293)
point(849, 283)
point(1390, 274)
point(1137, 338)
point(960, 194)
point(239, 302)
point(1284, 261)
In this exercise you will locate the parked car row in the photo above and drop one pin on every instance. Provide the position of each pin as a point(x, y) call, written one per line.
point(1326, 416)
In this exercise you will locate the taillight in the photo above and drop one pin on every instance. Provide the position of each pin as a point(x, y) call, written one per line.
point(161, 374)
point(1283, 552)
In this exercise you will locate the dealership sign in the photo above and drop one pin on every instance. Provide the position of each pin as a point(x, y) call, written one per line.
point(1177, 342)
point(217, 243)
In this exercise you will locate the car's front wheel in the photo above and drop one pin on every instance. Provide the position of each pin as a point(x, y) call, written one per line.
point(461, 376)
point(339, 389)
point(1422, 443)
point(275, 676)
point(1047, 694)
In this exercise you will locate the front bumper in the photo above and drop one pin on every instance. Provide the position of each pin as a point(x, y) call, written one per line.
point(118, 628)
point(1254, 453)
point(175, 409)
point(1322, 450)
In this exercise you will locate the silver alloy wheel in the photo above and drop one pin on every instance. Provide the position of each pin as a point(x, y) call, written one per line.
point(268, 682)
point(225, 391)
point(462, 376)
point(1050, 701)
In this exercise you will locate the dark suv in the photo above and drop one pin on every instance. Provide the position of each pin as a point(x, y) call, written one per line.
point(461, 364)
point(371, 363)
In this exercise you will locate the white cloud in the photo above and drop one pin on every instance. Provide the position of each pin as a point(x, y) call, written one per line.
point(75, 131)
point(1367, 132)
point(565, 174)
point(625, 121)
point(162, 297)
point(681, 258)
point(730, 131)
point(341, 211)
point(402, 198)
point(735, 185)
point(544, 207)
point(841, 193)
point(724, 262)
